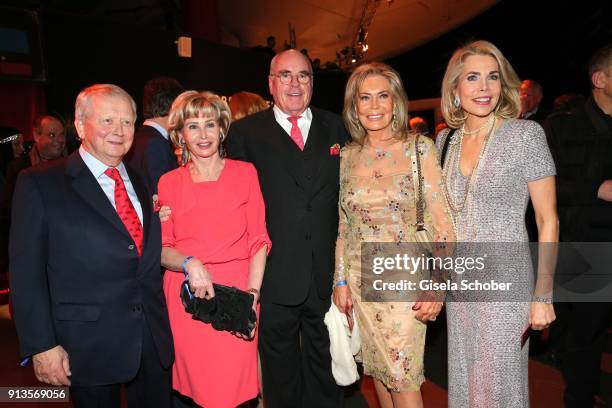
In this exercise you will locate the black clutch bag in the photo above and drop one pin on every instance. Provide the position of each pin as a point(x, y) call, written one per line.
point(231, 309)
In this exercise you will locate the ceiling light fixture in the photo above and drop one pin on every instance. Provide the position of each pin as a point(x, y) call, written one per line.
point(360, 47)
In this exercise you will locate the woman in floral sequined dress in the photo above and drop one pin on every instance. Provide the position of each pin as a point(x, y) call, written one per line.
point(377, 204)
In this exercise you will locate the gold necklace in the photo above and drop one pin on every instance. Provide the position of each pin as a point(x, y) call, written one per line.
point(471, 132)
point(455, 162)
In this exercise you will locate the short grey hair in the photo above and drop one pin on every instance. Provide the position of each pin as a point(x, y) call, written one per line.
point(83, 100)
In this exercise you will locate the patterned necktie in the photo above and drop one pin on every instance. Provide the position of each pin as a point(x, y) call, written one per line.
point(296, 133)
point(126, 209)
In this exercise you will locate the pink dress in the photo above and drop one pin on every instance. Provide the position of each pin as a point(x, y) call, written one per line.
point(222, 223)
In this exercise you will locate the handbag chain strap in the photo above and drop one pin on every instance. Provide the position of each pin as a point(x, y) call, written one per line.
point(418, 186)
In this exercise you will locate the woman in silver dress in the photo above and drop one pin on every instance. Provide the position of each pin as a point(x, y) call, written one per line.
point(493, 163)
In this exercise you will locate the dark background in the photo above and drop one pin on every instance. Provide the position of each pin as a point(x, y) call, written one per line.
point(548, 41)
point(85, 43)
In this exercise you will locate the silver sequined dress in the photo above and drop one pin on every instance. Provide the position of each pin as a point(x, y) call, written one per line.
point(487, 364)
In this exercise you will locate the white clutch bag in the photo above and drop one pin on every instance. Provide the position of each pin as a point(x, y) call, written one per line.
point(343, 346)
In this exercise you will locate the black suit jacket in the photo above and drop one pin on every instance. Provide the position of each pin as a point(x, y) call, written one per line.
point(151, 155)
point(76, 277)
point(540, 115)
point(580, 141)
point(300, 190)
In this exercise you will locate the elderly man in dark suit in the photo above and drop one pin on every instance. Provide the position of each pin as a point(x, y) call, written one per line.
point(295, 150)
point(152, 154)
point(84, 266)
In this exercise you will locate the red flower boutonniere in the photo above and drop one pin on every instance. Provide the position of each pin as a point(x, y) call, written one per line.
point(334, 150)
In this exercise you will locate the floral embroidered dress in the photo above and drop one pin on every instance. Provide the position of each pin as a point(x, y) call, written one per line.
point(377, 204)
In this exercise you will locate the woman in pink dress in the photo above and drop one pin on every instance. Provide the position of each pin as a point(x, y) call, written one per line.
point(216, 232)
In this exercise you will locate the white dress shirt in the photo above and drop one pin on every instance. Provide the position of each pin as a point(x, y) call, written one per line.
point(157, 127)
point(98, 168)
point(303, 123)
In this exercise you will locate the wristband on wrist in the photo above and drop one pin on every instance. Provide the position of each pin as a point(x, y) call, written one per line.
point(341, 282)
point(184, 264)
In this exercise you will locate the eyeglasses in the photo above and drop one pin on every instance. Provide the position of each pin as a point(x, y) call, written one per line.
point(10, 138)
point(285, 77)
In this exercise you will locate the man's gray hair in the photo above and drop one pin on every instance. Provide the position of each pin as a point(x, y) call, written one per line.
point(83, 100)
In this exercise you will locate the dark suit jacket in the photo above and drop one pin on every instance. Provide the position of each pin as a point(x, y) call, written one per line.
point(540, 116)
point(151, 155)
point(76, 278)
point(581, 144)
point(300, 190)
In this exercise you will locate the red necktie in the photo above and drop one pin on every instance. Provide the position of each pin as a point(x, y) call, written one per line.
point(125, 209)
point(296, 133)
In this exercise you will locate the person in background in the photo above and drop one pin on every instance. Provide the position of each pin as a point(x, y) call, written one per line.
point(581, 143)
point(295, 149)
point(567, 102)
point(440, 127)
point(494, 162)
point(531, 100)
point(84, 266)
point(152, 153)
point(49, 145)
point(271, 45)
point(243, 104)
point(419, 125)
point(11, 146)
point(377, 204)
point(216, 232)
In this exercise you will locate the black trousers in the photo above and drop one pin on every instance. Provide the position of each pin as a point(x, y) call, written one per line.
point(151, 388)
point(295, 359)
point(583, 342)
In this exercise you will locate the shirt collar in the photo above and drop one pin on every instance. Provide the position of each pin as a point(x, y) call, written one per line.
point(98, 168)
point(282, 117)
point(532, 112)
point(157, 127)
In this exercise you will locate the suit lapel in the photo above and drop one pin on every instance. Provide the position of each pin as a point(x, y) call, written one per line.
point(87, 187)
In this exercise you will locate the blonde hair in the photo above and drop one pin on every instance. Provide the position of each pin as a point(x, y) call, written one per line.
point(243, 104)
point(83, 100)
point(398, 95)
point(509, 104)
point(193, 104)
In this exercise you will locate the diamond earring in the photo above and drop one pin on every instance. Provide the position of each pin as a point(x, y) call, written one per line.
point(457, 101)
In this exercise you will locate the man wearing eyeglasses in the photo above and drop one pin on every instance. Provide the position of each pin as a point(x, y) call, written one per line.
point(295, 149)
